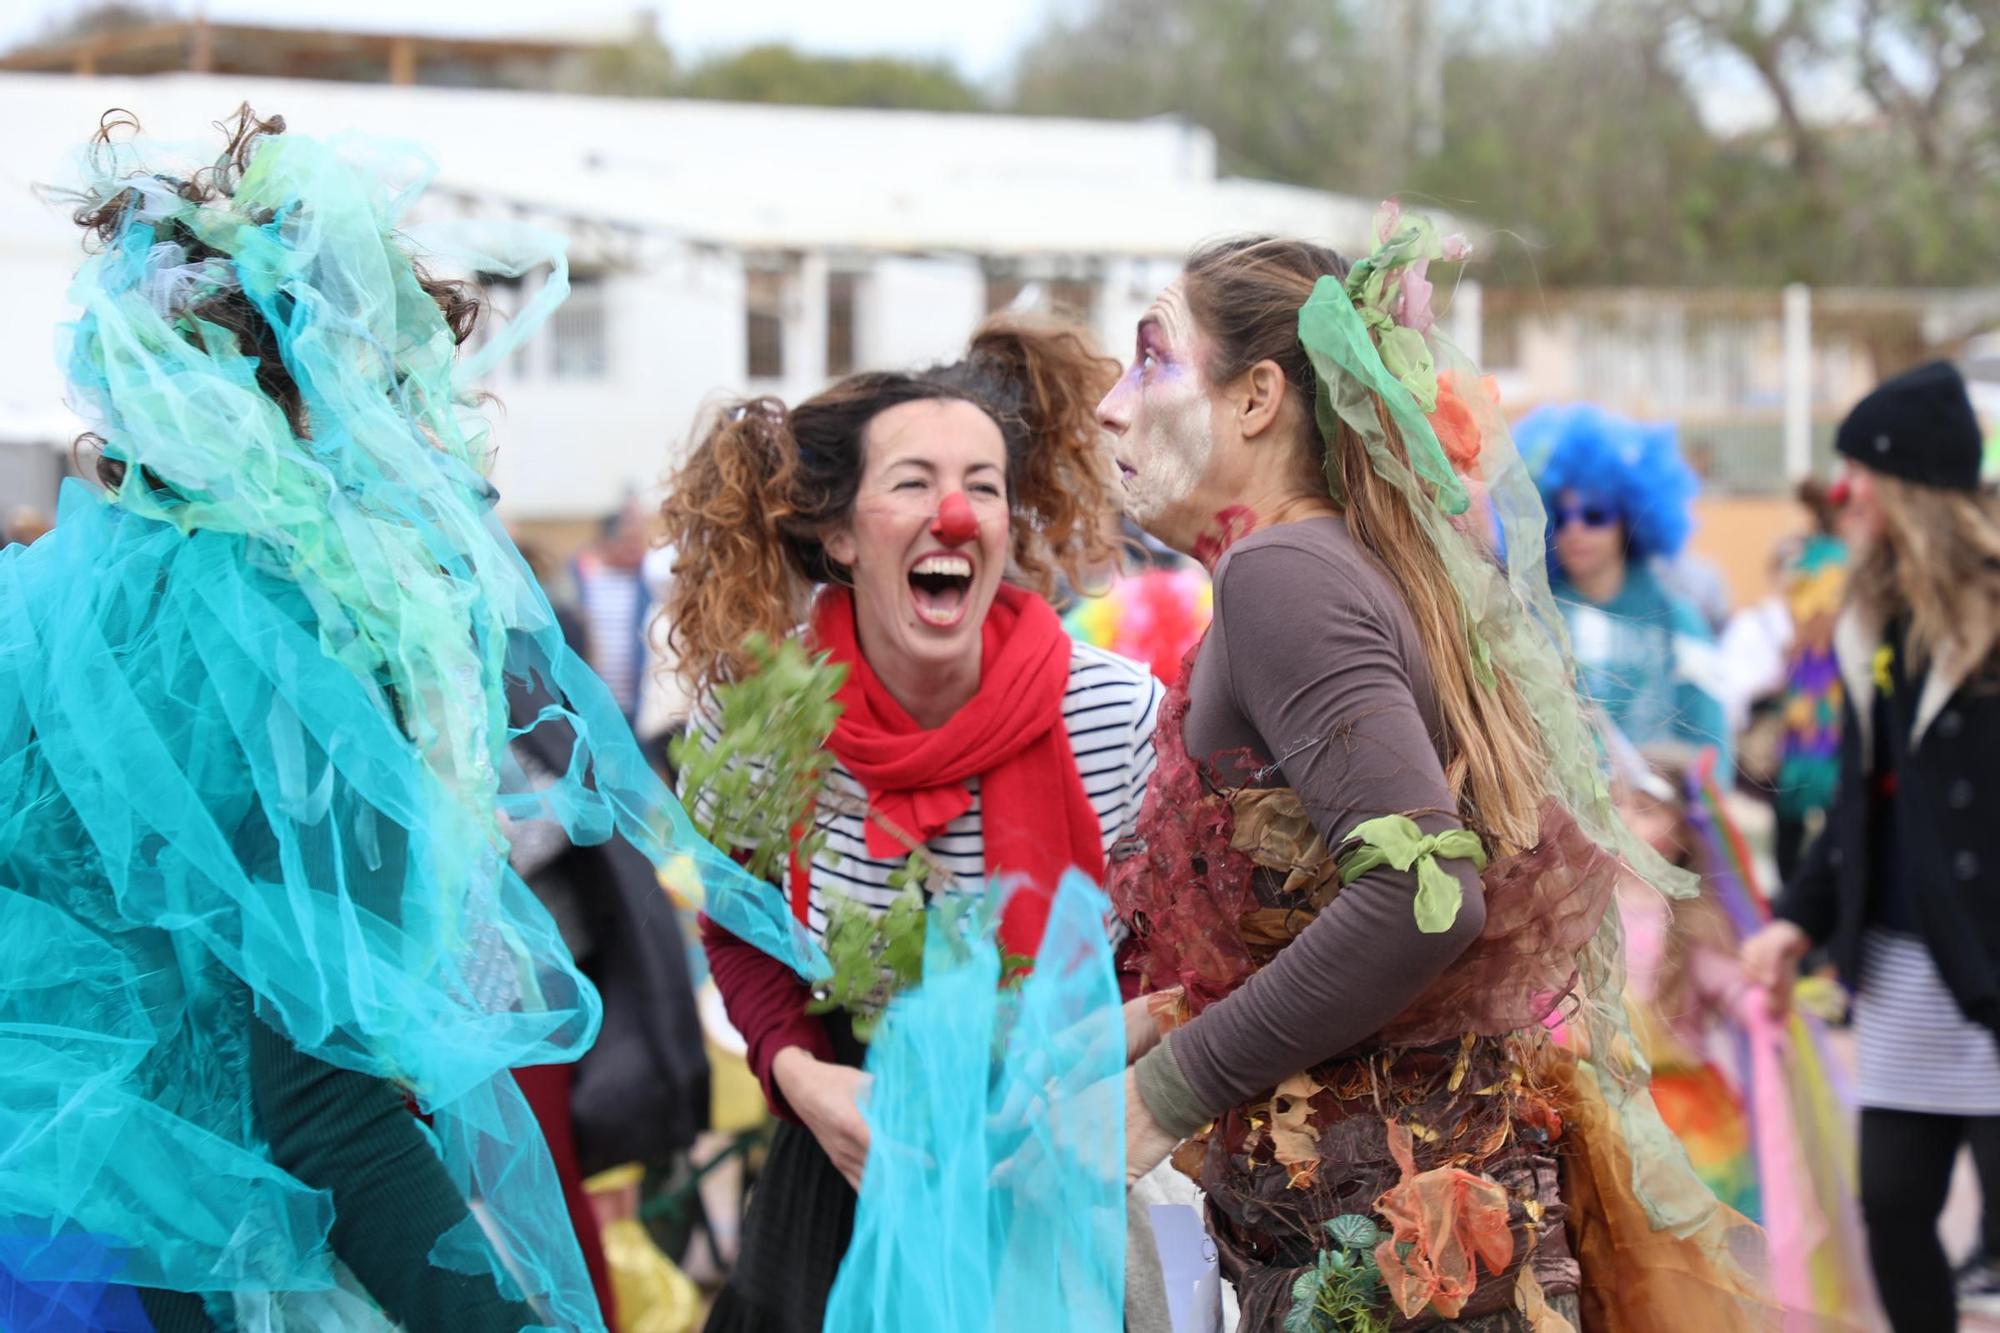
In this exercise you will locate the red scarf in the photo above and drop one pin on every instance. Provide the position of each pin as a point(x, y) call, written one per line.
point(1036, 820)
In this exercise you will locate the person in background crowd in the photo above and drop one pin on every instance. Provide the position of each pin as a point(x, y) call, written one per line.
point(664, 701)
point(1903, 884)
point(1619, 498)
point(615, 603)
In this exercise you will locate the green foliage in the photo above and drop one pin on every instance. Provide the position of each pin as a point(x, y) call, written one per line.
point(876, 956)
point(780, 73)
point(1342, 1292)
point(1268, 77)
point(101, 18)
point(1578, 132)
point(760, 779)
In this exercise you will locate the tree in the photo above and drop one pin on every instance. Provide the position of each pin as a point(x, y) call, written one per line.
point(1583, 130)
point(1284, 84)
point(779, 73)
point(641, 66)
point(105, 16)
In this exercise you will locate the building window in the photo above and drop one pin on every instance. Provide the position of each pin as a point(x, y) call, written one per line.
point(764, 326)
point(579, 341)
point(840, 289)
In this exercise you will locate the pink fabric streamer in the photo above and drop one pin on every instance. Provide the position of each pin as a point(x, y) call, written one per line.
point(1793, 1223)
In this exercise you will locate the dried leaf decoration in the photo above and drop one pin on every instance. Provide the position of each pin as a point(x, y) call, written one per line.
point(1534, 1305)
point(1443, 1223)
point(1293, 1142)
point(1272, 828)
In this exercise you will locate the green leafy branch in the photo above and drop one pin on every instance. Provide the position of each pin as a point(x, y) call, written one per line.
point(875, 957)
point(760, 778)
point(760, 781)
point(1342, 1291)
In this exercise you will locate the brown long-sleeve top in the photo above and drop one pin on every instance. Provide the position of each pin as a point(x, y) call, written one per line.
point(1312, 677)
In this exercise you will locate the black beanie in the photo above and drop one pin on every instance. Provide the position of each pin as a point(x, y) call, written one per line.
point(1918, 426)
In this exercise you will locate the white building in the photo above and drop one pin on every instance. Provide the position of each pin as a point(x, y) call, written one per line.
point(717, 249)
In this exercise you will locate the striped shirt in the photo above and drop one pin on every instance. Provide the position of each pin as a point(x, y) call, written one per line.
point(611, 606)
point(1915, 1049)
point(1109, 709)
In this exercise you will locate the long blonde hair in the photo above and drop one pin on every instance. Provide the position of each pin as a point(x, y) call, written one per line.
point(1938, 558)
point(1246, 294)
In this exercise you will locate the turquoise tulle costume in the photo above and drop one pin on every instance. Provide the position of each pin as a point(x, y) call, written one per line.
point(253, 762)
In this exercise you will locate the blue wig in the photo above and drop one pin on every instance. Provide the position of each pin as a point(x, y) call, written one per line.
point(1631, 466)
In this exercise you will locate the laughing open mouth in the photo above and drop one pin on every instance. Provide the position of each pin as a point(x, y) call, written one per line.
point(941, 585)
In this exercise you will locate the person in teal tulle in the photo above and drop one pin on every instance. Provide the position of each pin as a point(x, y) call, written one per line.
point(1619, 499)
point(254, 775)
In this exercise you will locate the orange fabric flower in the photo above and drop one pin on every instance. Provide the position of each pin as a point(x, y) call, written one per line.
point(1461, 420)
point(1451, 1220)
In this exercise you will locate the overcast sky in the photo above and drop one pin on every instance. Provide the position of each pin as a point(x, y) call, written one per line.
point(980, 38)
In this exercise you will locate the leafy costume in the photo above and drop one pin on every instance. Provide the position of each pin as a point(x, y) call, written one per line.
point(1438, 1129)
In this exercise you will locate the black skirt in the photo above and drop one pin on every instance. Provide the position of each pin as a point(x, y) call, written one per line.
point(796, 1232)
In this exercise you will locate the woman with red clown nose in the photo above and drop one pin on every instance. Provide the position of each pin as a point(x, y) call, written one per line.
point(908, 522)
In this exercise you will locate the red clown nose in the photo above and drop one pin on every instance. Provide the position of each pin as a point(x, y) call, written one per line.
point(955, 524)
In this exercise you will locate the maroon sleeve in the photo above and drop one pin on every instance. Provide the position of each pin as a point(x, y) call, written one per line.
point(766, 1002)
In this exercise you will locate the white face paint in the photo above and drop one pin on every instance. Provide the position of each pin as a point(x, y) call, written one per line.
point(1160, 414)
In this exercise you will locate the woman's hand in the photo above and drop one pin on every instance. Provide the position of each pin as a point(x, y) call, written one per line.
point(827, 1098)
point(1771, 960)
point(1142, 1029)
point(1146, 1144)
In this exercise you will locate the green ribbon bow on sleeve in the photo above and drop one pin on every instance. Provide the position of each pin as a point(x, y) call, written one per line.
point(1395, 840)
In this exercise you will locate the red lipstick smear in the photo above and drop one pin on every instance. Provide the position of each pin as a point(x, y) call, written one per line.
point(1227, 527)
point(955, 524)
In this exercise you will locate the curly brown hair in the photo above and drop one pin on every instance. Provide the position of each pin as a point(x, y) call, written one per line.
point(746, 510)
point(104, 217)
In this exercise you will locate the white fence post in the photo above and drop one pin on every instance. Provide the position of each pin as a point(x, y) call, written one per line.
point(1798, 381)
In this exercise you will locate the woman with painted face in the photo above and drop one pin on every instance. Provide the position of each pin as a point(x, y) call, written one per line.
point(1903, 884)
point(911, 523)
point(1361, 1080)
point(1619, 498)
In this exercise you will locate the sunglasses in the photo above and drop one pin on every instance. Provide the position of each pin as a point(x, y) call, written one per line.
point(1591, 516)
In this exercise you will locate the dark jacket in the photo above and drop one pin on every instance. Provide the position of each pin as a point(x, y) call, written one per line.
point(1947, 830)
point(642, 1090)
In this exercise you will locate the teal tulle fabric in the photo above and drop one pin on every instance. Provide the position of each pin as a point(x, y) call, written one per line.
point(253, 759)
point(994, 1195)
